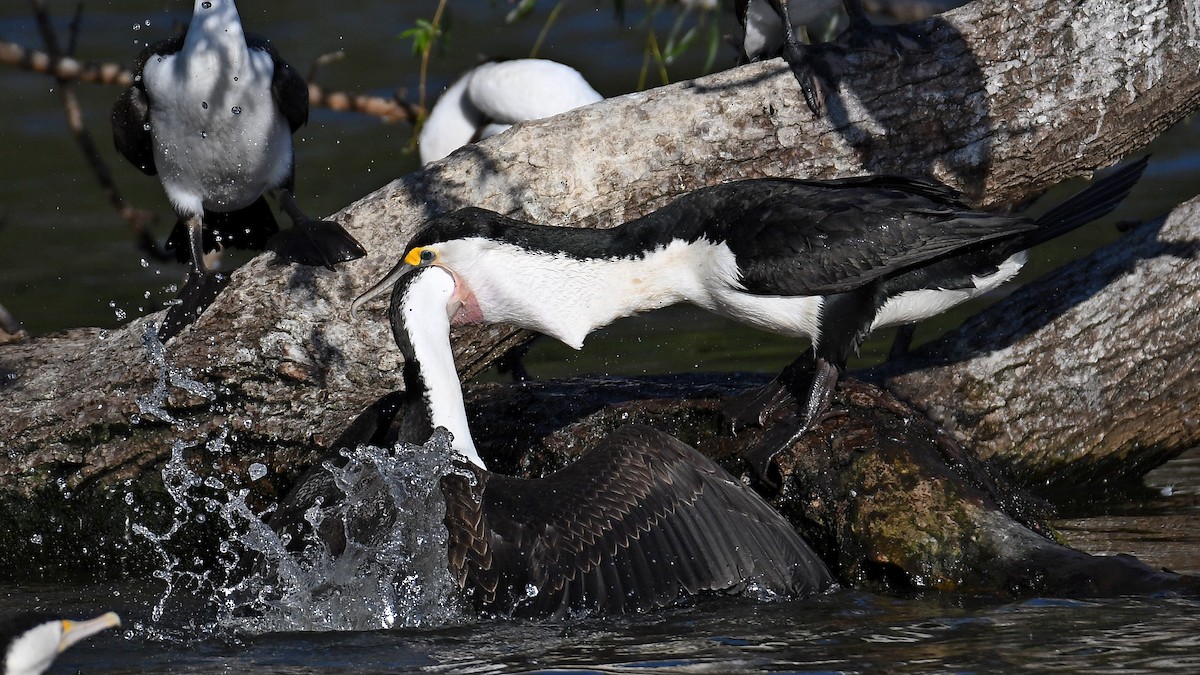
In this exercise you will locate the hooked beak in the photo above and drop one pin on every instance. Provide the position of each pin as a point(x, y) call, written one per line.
point(403, 267)
point(74, 631)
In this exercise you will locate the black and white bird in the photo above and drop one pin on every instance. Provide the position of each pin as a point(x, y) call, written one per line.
point(635, 524)
point(212, 113)
point(828, 260)
point(30, 642)
point(773, 28)
point(493, 96)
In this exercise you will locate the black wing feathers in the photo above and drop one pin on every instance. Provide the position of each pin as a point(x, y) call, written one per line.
point(632, 525)
point(838, 242)
point(131, 112)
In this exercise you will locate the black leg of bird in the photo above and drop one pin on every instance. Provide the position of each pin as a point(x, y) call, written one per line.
point(757, 405)
point(199, 289)
point(813, 77)
point(321, 243)
point(787, 432)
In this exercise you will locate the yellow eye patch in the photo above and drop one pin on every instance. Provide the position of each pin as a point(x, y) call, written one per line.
point(420, 255)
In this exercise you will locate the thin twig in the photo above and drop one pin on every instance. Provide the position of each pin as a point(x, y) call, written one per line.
point(322, 61)
point(437, 27)
point(137, 218)
point(537, 44)
point(393, 109)
point(75, 25)
point(67, 69)
point(64, 68)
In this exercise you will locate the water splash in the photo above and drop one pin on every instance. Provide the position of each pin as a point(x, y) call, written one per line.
point(153, 403)
point(390, 572)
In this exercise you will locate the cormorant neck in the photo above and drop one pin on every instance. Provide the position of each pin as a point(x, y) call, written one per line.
point(216, 27)
point(420, 316)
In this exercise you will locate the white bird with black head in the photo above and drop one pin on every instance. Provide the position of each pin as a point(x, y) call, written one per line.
point(30, 642)
point(827, 260)
point(212, 113)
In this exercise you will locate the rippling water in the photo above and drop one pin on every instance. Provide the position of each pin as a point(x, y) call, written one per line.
point(847, 632)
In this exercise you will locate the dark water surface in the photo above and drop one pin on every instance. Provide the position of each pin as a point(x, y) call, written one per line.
point(66, 260)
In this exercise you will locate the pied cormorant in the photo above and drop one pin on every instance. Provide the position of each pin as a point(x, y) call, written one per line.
point(30, 642)
point(634, 524)
point(212, 113)
point(827, 260)
point(491, 97)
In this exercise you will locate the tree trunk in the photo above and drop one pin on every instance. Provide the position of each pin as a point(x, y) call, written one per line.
point(1089, 375)
point(1011, 98)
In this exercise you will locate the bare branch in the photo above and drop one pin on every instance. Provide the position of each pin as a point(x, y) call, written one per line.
point(138, 219)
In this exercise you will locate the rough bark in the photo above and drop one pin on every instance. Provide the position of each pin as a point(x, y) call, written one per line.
point(1090, 375)
point(1012, 97)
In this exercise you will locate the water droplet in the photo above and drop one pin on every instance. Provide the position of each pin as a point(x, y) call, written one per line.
point(37, 539)
point(236, 110)
point(137, 26)
point(206, 5)
point(203, 134)
point(204, 104)
point(235, 79)
point(146, 126)
point(257, 471)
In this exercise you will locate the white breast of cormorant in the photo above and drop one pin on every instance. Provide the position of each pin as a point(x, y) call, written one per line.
point(220, 141)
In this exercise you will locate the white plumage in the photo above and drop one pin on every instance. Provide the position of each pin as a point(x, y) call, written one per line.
point(220, 141)
point(490, 98)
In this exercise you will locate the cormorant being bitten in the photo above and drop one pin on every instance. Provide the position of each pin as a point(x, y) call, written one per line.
point(827, 260)
point(636, 523)
point(30, 642)
point(212, 112)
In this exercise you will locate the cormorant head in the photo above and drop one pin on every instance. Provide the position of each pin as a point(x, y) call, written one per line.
point(450, 241)
point(32, 641)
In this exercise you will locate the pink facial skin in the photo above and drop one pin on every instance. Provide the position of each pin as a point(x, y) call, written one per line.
point(468, 311)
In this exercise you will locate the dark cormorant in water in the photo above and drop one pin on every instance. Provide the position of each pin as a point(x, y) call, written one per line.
point(636, 523)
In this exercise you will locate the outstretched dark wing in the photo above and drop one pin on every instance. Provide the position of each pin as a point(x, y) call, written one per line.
point(835, 236)
point(288, 88)
point(633, 525)
point(131, 112)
